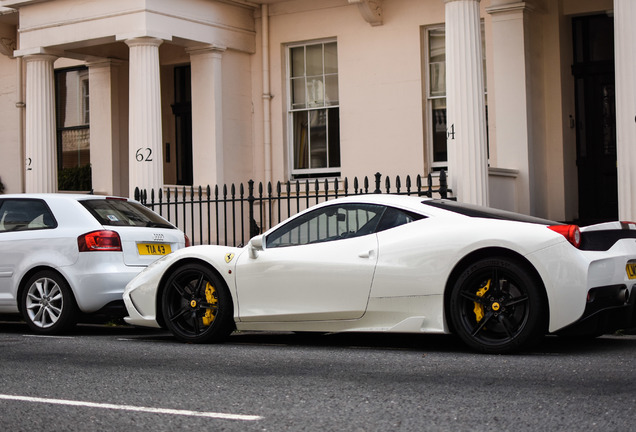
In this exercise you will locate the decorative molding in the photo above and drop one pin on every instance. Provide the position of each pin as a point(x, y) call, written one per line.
point(503, 172)
point(371, 10)
point(521, 6)
point(205, 49)
point(7, 46)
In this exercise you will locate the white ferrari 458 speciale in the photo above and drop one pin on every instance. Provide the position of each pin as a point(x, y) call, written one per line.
point(388, 263)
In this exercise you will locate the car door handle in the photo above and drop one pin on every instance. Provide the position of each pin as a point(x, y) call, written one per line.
point(366, 254)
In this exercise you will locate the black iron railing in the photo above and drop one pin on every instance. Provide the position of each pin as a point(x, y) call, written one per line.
point(231, 215)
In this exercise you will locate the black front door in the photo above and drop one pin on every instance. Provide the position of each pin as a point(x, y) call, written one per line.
point(593, 71)
point(182, 110)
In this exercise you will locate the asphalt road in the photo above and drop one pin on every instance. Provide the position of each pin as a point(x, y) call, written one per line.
point(120, 378)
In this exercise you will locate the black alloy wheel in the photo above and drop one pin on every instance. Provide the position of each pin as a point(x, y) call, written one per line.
point(196, 305)
point(497, 306)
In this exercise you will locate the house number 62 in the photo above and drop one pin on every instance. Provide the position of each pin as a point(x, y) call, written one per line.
point(144, 155)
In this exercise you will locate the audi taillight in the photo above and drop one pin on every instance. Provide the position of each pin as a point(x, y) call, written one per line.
point(571, 232)
point(187, 240)
point(99, 241)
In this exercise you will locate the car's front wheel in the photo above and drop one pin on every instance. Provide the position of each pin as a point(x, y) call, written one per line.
point(498, 306)
point(47, 303)
point(196, 305)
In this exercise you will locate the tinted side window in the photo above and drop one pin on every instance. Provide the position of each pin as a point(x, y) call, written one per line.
point(118, 212)
point(393, 217)
point(25, 214)
point(327, 224)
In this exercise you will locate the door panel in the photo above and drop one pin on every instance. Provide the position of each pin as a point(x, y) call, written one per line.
point(319, 281)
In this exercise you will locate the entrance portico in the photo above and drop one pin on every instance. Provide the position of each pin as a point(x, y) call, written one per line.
point(108, 40)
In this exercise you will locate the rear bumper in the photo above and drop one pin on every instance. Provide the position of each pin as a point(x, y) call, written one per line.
point(608, 308)
point(99, 278)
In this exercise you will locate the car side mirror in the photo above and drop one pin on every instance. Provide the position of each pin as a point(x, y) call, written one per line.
point(255, 246)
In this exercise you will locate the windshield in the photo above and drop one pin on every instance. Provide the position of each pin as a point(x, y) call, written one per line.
point(117, 212)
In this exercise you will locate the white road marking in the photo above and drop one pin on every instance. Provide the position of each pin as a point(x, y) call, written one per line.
point(224, 416)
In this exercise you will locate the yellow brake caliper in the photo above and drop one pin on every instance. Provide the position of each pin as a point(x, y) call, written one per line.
point(208, 318)
point(479, 309)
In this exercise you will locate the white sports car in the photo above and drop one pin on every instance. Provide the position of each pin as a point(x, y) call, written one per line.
point(372, 263)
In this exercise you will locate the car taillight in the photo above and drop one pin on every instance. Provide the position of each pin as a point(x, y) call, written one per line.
point(187, 240)
point(628, 225)
point(99, 241)
point(571, 232)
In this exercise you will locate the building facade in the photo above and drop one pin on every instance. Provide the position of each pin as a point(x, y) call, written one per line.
point(529, 105)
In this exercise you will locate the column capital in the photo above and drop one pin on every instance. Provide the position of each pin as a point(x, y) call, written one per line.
point(40, 57)
point(512, 7)
point(206, 49)
point(105, 63)
point(143, 41)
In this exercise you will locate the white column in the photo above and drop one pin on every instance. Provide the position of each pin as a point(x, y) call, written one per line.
point(207, 115)
point(466, 115)
point(104, 124)
point(510, 97)
point(144, 126)
point(41, 148)
point(625, 61)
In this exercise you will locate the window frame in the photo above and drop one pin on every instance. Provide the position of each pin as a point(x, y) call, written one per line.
point(428, 98)
point(370, 225)
point(79, 130)
point(329, 171)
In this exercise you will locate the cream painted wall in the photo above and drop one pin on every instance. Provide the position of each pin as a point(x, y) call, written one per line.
point(238, 135)
point(379, 82)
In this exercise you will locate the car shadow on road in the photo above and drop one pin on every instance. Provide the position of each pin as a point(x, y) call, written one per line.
point(551, 345)
point(14, 325)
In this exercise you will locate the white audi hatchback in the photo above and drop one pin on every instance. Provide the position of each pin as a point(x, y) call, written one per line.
point(63, 256)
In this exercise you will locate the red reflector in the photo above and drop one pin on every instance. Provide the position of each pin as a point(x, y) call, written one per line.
point(570, 232)
point(99, 241)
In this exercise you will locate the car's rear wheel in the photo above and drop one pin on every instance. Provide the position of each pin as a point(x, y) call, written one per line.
point(497, 306)
point(196, 305)
point(47, 303)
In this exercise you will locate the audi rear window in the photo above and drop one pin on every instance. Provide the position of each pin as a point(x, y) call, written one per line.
point(486, 212)
point(117, 212)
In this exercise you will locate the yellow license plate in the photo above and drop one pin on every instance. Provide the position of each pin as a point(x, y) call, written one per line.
point(630, 268)
point(153, 249)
